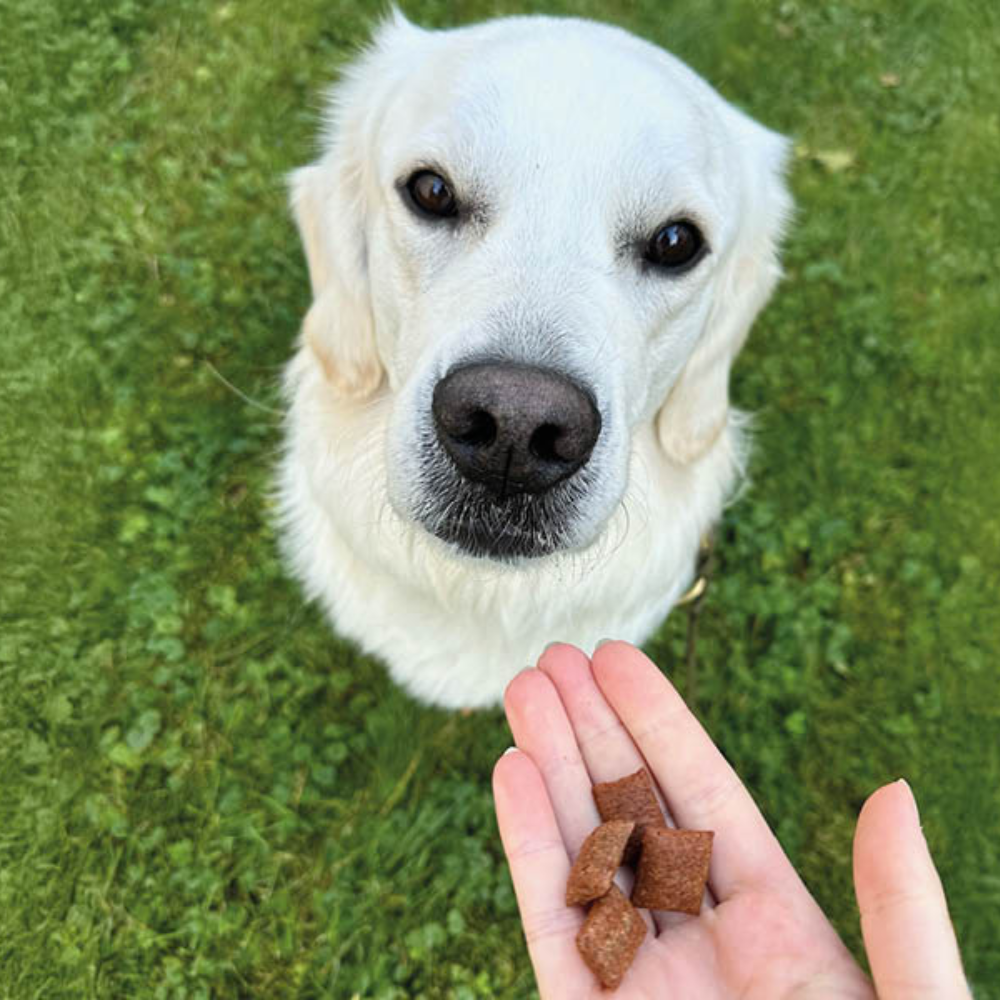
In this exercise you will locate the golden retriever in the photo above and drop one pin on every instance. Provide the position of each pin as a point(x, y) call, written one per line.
point(536, 246)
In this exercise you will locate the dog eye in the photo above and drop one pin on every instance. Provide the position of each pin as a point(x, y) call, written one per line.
point(675, 245)
point(432, 194)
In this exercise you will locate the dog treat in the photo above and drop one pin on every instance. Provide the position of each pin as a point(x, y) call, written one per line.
point(610, 937)
point(673, 869)
point(631, 797)
point(599, 858)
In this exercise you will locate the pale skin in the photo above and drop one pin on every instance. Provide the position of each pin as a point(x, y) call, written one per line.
point(760, 935)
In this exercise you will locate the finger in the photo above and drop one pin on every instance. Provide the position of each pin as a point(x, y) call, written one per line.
point(904, 914)
point(542, 730)
point(702, 791)
point(607, 749)
point(605, 745)
point(539, 867)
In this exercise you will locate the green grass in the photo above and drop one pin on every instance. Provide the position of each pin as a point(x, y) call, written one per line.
point(202, 792)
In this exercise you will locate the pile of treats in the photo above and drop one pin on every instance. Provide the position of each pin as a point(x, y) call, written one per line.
point(671, 869)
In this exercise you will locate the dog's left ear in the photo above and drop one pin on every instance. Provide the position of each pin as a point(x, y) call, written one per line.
point(696, 410)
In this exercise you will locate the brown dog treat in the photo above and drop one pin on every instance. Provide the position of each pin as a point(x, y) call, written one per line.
point(631, 798)
point(599, 858)
point(610, 937)
point(673, 869)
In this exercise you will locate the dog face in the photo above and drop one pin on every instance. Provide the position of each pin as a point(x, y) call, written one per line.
point(533, 235)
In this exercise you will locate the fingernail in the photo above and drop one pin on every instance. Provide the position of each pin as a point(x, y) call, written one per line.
point(913, 798)
point(509, 750)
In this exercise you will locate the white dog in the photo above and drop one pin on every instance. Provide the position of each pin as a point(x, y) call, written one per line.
point(535, 247)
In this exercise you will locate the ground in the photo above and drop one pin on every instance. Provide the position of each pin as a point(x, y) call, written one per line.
point(203, 793)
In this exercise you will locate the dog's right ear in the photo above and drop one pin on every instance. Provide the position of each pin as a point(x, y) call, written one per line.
point(330, 201)
point(339, 328)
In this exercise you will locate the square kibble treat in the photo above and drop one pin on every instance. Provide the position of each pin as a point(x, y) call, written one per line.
point(599, 858)
point(631, 797)
point(673, 869)
point(610, 937)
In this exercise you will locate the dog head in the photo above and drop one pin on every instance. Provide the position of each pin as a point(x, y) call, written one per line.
point(533, 235)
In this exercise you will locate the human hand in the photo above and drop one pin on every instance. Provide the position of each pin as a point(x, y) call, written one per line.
point(760, 934)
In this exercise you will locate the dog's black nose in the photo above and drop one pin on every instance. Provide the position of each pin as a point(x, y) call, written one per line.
point(514, 428)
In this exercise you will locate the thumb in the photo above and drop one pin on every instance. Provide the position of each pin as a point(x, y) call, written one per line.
point(904, 915)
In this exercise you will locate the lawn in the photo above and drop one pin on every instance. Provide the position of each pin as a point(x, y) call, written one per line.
point(204, 793)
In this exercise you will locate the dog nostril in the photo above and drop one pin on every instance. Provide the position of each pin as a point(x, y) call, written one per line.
point(542, 443)
point(481, 432)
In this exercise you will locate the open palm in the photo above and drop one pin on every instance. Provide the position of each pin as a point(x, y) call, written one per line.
point(760, 934)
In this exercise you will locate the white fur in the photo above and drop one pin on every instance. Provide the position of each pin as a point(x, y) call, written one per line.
point(574, 136)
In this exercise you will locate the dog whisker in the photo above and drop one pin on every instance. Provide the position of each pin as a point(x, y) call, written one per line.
point(240, 393)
